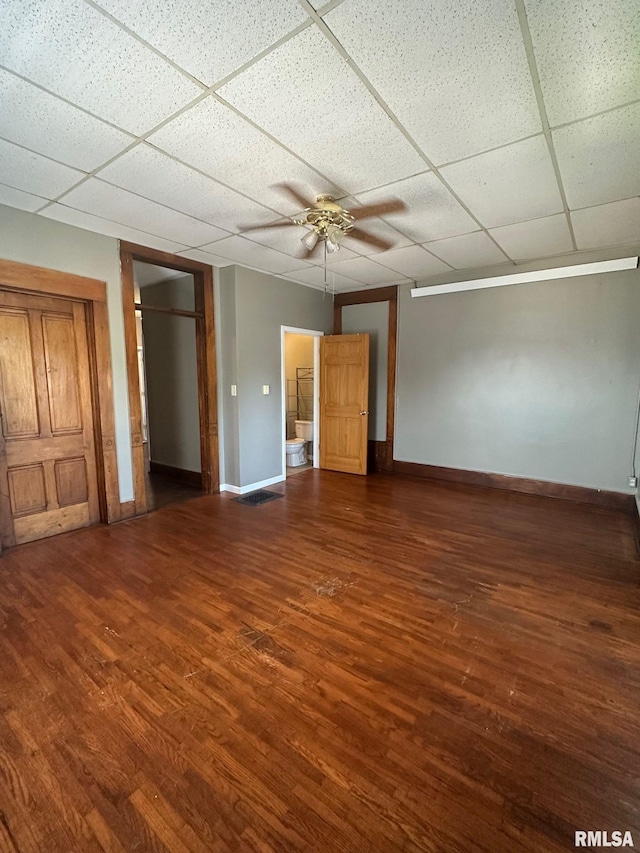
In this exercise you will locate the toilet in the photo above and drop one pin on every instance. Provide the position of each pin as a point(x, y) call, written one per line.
point(296, 447)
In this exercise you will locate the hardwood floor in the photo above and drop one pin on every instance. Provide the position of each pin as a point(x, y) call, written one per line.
point(370, 664)
point(162, 491)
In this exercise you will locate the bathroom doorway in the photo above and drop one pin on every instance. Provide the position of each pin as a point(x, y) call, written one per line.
point(300, 400)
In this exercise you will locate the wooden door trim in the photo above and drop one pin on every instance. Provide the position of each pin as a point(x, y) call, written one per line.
point(30, 280)
point(383, 455)
point(206, 365)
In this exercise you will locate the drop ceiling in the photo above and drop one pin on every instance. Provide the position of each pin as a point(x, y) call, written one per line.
point(511, 128)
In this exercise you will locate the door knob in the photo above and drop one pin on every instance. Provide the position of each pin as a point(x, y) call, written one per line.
point(364, 413)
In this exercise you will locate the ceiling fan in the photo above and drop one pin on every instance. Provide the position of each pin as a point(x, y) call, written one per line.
point(328, 223)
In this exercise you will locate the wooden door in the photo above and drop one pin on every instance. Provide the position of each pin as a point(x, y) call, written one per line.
point(344, 402)
point(48, 481)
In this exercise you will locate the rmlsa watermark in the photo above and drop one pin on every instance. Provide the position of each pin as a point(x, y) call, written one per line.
point(599, 838)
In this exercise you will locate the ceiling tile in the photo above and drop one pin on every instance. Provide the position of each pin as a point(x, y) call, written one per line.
point(587, 54)
point(612, 224)
point(508, 185)
point(315, 277)
point(455, 74)
point(536, 238)
point(412, 261)
point(600, 157)
point(367, 271)
point(468, 250)
point(214, 139)
point(46, 124)
point(206, 258)
point(32, 173)
point(149, 172)
point(109, 202)
point(285, 239)
point(305, 95)
point(23, 201)
point(208, 39)
point(432, 211)
point(249, 254)
point(75, 51)
point(111, 229)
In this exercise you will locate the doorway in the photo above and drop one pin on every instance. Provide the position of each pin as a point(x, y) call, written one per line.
point(357, 311)
point(168, 377)
point(300, 354)
point(191, 306)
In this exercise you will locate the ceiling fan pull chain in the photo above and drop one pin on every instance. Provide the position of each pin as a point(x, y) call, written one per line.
point(325, 267)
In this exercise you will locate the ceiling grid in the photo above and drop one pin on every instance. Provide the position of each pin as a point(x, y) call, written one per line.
point(528, 46)
point(336, 43)
point(171, 122)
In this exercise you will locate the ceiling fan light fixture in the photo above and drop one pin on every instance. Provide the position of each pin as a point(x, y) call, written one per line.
point(335, 236)
point(310, 240)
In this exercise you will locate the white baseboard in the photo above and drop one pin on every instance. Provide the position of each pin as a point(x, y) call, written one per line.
point(243, 490)
point(225, 487)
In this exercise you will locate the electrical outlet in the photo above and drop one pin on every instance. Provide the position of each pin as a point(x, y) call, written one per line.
point(633, 482)
point(234, 390)
point(265, 389)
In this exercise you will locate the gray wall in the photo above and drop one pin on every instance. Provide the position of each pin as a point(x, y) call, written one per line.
point(172, 376)
point(42, 242)
point(373, 317)
point(228, 375)
point(536, 380)
point(263, 304)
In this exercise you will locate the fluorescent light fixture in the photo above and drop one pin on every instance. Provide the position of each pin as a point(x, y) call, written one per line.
point(526, 277)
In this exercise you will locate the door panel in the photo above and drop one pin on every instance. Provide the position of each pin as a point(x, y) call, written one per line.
point(27, 489)
point(71, 481)
point(48, 481)
point(61, 364)
point(344, 399)
point(17, 392)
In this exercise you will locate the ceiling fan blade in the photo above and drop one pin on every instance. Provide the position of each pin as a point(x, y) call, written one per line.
point(392, 205)
point(295, 194)
point(282, 223)
point(371, 239)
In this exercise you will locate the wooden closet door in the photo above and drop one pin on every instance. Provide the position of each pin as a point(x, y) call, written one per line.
point(48, 481)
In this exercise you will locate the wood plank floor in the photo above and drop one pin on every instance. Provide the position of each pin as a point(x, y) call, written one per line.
point(370, 664)
point(162, 491)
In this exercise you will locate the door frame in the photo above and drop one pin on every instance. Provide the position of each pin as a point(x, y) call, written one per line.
point(316, 335)
point(205, 357)
point(30, 280)
point(380, 452)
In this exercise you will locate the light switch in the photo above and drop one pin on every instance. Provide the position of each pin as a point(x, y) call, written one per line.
point(234, 390)
point(265, 389)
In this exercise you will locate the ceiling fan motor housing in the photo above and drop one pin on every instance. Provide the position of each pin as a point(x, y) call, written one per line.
point(328, 212)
